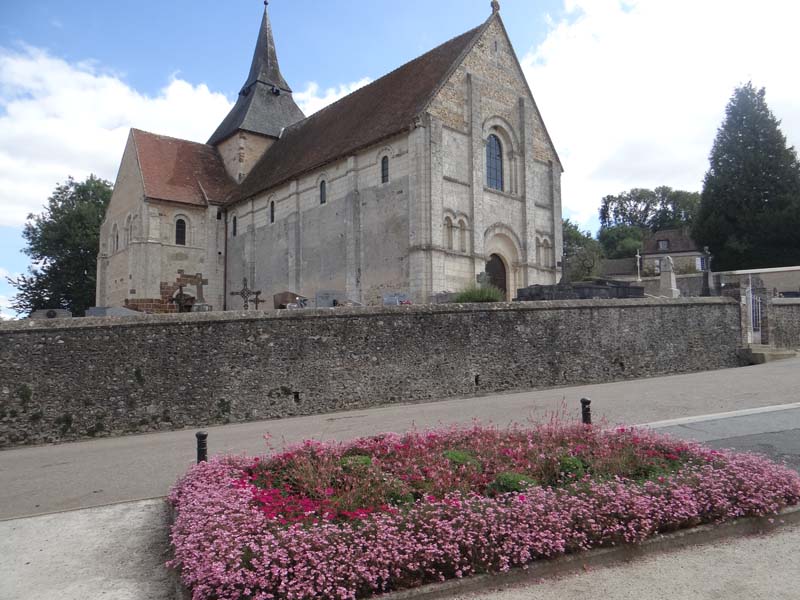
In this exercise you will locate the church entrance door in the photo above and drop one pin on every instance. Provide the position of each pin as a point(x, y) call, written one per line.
point(496, 270)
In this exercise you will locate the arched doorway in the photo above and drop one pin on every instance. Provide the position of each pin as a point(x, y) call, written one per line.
point(496, 269)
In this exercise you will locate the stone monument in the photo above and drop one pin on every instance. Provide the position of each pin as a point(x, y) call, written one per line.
point(669, 287)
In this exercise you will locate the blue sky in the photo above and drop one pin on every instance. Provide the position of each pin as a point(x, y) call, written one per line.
point(632, 91)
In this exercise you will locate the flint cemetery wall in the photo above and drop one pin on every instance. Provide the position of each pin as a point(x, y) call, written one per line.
point(784, 320)
point(72, 379)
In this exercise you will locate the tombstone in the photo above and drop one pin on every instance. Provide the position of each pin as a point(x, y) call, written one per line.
point(396, 299)
point(330, 298)
point(669, 286)
point(112, 311)
point(50, 313)
point(284, 300)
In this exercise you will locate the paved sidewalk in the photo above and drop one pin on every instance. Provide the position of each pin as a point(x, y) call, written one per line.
point(765, 567)
point(78, 475)
point(113, 552)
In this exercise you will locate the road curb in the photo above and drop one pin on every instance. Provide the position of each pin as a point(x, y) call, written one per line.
point(582, 561)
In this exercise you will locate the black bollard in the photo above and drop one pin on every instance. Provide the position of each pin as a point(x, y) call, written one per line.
point(586, 411)
point(202, 446)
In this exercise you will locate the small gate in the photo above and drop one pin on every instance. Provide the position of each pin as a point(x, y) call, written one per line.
point(756, 316)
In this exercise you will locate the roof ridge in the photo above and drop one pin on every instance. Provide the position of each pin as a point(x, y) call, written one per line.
point(169, 137)
point(404, 65)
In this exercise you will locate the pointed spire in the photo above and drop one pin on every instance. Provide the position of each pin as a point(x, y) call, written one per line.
point(495, 6)
point(265, 105)
point(265, 68)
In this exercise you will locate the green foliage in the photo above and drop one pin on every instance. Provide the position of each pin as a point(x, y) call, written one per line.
point(25, 394)
point(572, 466)
point(750, 211)
point(63, 242)
point(64, 423)
point(627, 218)
point(480, 293)
point(662, 208)
point(507, 482)
point(582, 252)
point(355, 462)
point(461, 458)
point(621, 241)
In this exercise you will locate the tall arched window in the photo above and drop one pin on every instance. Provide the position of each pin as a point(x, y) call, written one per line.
point(272, 212)
point(323, 192)
point(494, 163)
point(462, 235)
point(234, 226)
point(448, 232)
point(115, 238)
point(547, 250)
point(128, 232)
point(180, 232)
point(385, 169)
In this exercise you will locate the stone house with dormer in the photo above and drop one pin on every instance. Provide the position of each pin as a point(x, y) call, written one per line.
point(417, 183)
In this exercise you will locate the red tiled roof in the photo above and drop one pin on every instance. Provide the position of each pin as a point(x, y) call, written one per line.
point(373, 113)
point(181, 171)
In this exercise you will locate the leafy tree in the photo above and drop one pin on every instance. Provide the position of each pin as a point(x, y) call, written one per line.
point(621, 241)
point(582, 252)
point(750, 210)
point(63, 242)
point(662, 208)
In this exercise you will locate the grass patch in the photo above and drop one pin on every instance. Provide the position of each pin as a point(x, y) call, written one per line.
point(480, 293)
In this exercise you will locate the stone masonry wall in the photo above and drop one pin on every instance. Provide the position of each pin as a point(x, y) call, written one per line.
point(72, 379)
point(784, 319)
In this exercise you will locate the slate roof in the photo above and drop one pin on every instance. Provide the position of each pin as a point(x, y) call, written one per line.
point(679, 241)
point(375, 112)
point(265, 103)
point(181, 171)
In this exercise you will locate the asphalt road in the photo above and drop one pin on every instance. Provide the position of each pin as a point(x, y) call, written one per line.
point(40, 480)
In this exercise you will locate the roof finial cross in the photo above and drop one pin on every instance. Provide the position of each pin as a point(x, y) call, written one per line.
point(495, 6)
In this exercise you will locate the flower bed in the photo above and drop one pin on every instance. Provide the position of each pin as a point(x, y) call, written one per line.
point(391, 512)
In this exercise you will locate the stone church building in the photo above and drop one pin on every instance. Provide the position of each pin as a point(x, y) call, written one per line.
point(414, 184)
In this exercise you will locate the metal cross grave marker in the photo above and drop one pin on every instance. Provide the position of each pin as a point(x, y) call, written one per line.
point(246, 293)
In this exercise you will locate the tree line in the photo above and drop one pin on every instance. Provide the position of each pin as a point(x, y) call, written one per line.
point(748, 213)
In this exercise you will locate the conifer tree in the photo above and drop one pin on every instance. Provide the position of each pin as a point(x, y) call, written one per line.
point(749, 212)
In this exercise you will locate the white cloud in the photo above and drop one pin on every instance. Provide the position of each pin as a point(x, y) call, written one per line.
point(313, 99)
point(633, 91)
point(64, 119)
point(59, 119)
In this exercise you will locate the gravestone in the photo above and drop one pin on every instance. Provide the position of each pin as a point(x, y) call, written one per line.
point(330, 298)
point(396, 299)
point(669, 286)
point(51, 313)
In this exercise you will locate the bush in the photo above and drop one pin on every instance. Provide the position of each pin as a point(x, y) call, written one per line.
point(480, 293)
point(505, 483)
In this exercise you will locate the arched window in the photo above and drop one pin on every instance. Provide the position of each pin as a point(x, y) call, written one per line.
point(115, 238)
point(548, 254)
point(323, 192)
point(448, 232)
point(462, 236)
point(385, 169)
point(234, 226)
point(539, 252)
point(180, 232)
point(494, 163)
point(128, 232)
point(272, 212)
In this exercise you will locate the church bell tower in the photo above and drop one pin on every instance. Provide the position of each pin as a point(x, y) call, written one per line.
point(263, 109)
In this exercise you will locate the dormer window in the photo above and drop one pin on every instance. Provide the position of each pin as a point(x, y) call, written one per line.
point(663, 245)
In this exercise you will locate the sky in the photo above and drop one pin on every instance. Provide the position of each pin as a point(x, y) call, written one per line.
point(632, 91)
